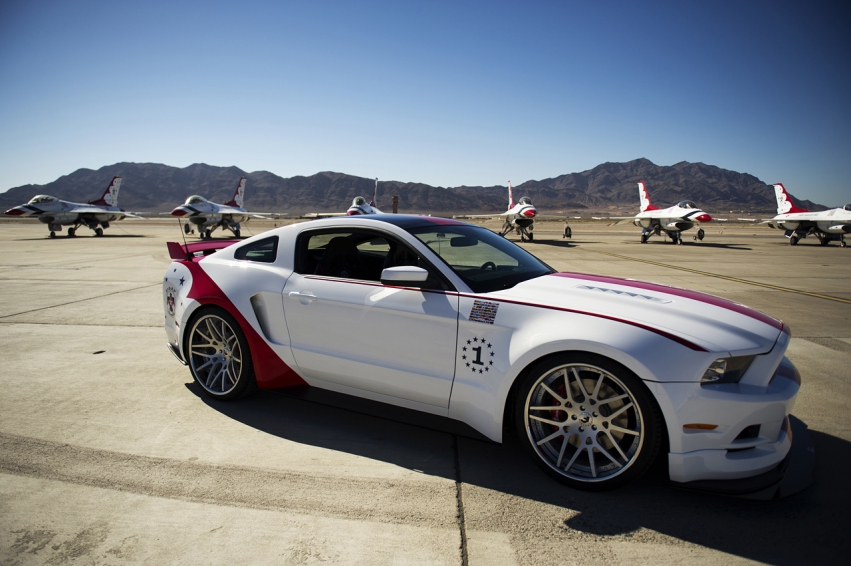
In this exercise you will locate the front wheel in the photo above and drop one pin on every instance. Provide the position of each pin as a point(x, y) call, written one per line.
point(588, 421)
point(218, 355)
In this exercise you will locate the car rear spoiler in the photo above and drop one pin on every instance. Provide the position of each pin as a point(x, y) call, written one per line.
point(196, 250)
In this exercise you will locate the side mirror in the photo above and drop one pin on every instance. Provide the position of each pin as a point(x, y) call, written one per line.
point(404, 276)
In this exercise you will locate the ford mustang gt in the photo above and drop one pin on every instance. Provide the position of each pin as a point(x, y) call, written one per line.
point(596, 375)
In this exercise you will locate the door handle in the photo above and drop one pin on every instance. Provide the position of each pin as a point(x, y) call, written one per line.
point(303, 297)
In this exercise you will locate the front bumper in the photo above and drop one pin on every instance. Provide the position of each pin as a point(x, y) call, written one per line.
point(730, 431)
point(793, 474)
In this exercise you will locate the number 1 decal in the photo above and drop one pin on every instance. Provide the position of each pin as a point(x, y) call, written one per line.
point(478, 361)
point(484, 350)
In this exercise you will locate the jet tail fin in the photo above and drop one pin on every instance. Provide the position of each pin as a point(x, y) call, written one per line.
point(785, 203)
point(110, 195)
point(374, 193)
point(238, 194)
point(510, 196)
point(645, 198)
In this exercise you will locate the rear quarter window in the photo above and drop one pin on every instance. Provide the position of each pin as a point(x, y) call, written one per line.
point(263, 251)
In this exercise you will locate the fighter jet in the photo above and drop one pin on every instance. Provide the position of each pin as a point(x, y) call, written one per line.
point(673, 221)
point(208, 215)
point(519, 217)
point(799, 222)
point(360, 206)
point(95, 214)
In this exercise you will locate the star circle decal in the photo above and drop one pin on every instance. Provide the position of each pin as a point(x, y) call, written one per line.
point(477, 355)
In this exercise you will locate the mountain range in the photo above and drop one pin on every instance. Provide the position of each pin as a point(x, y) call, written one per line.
point(609, 187)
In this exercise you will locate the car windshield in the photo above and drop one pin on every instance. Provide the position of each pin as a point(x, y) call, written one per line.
point(483, 260)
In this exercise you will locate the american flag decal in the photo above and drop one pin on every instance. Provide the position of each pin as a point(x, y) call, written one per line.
point(483, 311)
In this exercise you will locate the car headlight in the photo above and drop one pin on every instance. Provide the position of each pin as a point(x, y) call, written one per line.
point(727, 370)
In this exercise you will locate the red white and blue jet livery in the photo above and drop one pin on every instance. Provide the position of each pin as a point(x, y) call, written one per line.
point(95, 214)
point(360, 207)
point(596, 375)
point(208, 215)
point(673, 220)
point(826, 225)
point(519, 217)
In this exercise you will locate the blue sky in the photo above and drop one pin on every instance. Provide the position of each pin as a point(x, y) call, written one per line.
point(445, 93)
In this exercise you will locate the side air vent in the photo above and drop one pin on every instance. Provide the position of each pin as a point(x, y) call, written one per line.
point(259, 307)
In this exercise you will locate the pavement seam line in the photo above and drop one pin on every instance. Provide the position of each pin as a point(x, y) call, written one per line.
point(460, 502)
point(80, 300)
point(725, 277)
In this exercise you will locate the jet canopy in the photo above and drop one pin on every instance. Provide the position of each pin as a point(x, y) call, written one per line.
point(195, 199)
point(686, 204)
point(359, 201)
point(40, 199)
point(524, 200)
point(848, 207)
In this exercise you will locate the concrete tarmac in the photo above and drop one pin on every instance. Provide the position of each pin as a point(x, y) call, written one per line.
point(110, 454)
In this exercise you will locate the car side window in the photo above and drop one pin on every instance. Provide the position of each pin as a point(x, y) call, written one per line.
point(264, 251)
point(356, 254)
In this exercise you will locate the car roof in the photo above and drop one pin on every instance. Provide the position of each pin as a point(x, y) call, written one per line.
point(403, 221)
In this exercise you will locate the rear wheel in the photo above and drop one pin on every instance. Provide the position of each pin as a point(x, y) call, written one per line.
point(700, 234)
point(236, 233)
point(793, 241)
point(218, 355)
point(71, 232)
point(208, 233)
point(52, 234)
point(186, 228)
point(588, 421)
point(98, 232)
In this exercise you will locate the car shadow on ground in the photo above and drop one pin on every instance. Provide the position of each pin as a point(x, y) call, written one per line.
point(808, 527)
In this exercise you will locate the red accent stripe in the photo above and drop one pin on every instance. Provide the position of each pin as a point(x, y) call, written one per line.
point(668, 335)
point(676, 291)
point(269, 370)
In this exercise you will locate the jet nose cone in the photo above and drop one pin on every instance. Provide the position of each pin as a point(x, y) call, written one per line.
point(530, 213)
point(15, 211)
point(179, 211)
point(704, 218)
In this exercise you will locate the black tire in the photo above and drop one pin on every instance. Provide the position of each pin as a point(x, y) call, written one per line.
point(236, 233)
point(793, 241)
point(52, 234)
point(208, 233)
point(567, 232)
point(531, 237)
point(186, 228)
point(700, 234)
point(71, 232)
point(644, 238)
point(218, 355)
point(582, 442)
point(98, 232)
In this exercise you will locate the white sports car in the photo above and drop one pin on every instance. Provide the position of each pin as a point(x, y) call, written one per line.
point(595, 374)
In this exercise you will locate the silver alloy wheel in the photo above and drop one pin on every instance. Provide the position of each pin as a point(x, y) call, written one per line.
point(215, 355)
point(584, 423)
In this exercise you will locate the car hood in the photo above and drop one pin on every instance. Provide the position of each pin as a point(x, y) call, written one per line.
point(713, 323)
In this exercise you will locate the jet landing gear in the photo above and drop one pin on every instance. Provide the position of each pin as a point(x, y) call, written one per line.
point(700, 234)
